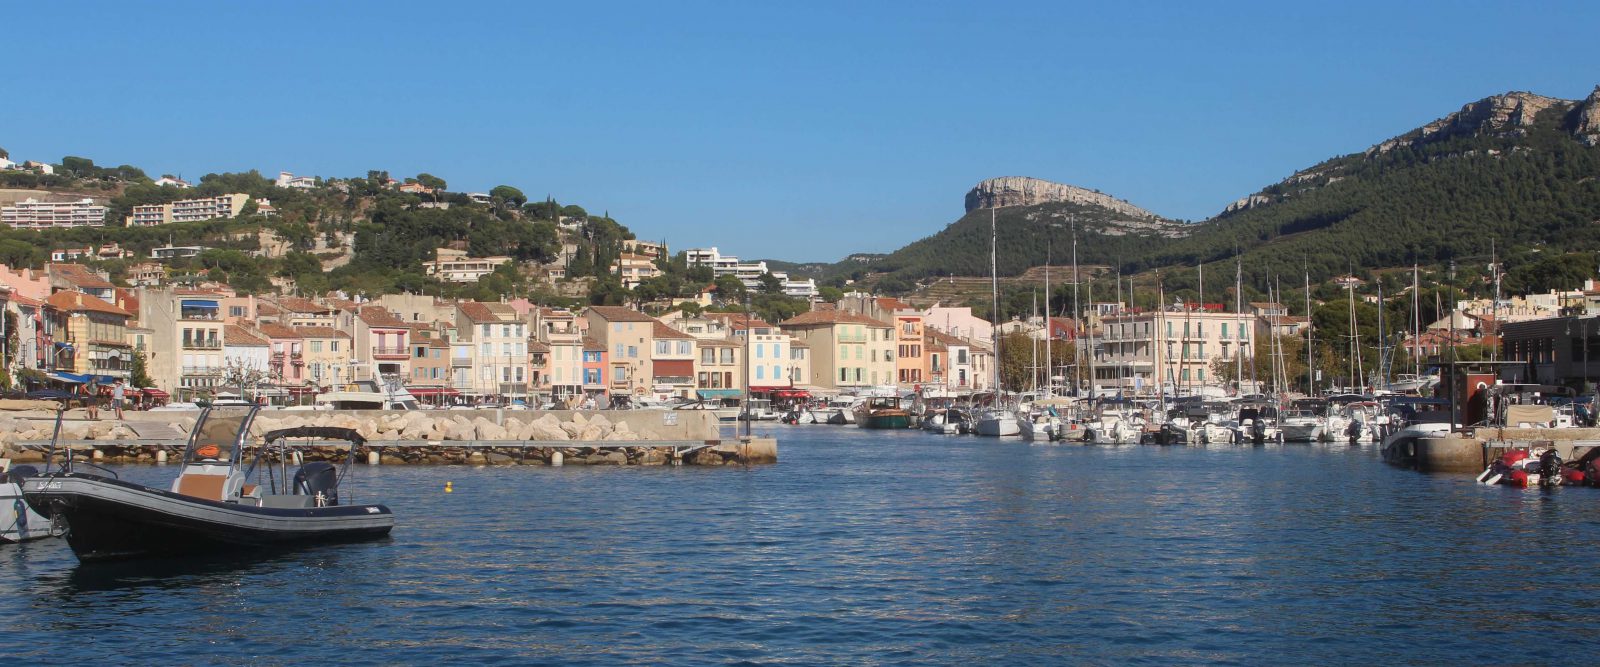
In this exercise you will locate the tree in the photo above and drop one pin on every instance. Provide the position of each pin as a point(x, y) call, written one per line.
point(700, 275)
point(80, 167)
point(770, 284)
point(506, 196)
point(730, 289)
point(139, 376)
point(430, 181)
point(830, 294)
point(20, 254)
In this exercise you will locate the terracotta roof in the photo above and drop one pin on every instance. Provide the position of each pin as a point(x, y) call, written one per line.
point(296, 304)
point(719, 342)
point(796, 342)
point(78, 301)
point(890, 303)
point(25, 301)
point(538, 346)
point(377, 316)
point(592, 344)
point(273, 330)
point(831, 317)
point(79, 275)
point(234, 334)
point(620, 314)
point(664, 331)
point(341, 304)
point(943, 338)
point(478, 311)
point(739, 320)
point(264, 308)
point(320, 332)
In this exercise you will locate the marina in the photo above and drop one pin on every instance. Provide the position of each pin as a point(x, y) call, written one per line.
point(931, 549)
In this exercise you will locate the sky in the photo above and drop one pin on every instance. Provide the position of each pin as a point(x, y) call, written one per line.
point(797, 131)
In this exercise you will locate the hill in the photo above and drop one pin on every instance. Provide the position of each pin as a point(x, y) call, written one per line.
point(1519, 170)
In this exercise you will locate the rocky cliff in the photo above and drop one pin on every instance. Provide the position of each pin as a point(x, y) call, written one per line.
point(1511, 112)
point(1024, 191)
point(1587, 123)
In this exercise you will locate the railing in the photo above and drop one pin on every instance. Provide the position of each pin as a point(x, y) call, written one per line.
point(208, 371)
point(461, 362)
point(390, 351)
point(202, 344)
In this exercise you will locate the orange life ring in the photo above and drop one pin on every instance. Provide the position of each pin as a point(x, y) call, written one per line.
point(208, 451)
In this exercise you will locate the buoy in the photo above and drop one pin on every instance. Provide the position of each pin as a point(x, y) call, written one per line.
point(447, 488)
point(556, 458)
point(372, 458)
point(97, 455)
point(161, 456)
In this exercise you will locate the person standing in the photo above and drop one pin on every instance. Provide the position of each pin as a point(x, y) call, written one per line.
point(118, 392)
point(91, 399)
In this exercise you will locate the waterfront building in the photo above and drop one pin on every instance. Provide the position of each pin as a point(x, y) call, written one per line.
point(381, 351)
point(718, 366)
point(1557, 351)
point(848, 351)
point(594, 372)
point(300, 312)
point(286, 358)
point(557, 330)
point(501, 340)
point(672, 360)
point(328, 355)
point(1178, 345)
point(950, 364)
point(80, 278)
point(628, 336)
point(958, 322)
point(454, 266)
point(31, 213)
point(186, 334)
point(633, 269)
point(430, 361)
point(245, 358)
point(96, 335)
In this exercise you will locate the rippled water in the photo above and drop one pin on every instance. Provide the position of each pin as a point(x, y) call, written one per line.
point(872, 547)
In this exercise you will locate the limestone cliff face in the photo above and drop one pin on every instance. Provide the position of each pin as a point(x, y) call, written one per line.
point(1024, 191)
point(1588, 119)
point(1501, 113)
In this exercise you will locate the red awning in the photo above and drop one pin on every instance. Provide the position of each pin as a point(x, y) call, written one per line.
point(152, 392)
point(682, 368)
point(791, 393)
point(432, 391)
point(303, 390)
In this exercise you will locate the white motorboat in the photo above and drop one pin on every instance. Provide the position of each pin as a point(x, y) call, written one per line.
point(997, 422)
point(1038, 426)
point(18, 521)
point(367, 395)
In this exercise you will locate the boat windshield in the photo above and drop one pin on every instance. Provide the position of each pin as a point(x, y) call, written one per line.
point(218, 435)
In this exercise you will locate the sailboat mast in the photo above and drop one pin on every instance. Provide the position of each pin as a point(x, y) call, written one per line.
point(1416, 321)
point(1238, 318)
point(1311, 372)
point(1049, 331)
point(1383, 338)
point(1077, 313)
point(994, 295)
point(1089, 330)
point(1158, 369)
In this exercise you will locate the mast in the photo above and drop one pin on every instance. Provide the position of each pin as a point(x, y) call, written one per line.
point(1311, 372)
point(1383, 366)
point(1089, 290)
point(1238, 318)
point(1049, 331)
point(1416, 321)
point(1077, 313)
point(1033, 370)
point(1157, 369)
point(994, 295)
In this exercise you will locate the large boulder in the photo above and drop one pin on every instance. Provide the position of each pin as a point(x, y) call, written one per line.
point(490, 431)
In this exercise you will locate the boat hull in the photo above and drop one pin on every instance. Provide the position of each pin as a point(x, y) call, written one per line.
point(998, 426)
point(900, 420)
point(113, 520)
point(18, 521)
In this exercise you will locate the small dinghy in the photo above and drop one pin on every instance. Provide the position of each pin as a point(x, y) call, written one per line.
point(212, 505)
point(18, 521)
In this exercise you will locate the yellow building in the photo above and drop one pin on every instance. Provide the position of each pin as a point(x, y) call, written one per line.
point(98, 334)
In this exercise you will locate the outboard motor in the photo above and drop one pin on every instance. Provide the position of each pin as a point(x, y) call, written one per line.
point(318, 478)
point(1258, 430)
point(1549, 468)
point(18, 473)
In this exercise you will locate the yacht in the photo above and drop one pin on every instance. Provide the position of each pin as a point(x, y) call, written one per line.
point(367, 395)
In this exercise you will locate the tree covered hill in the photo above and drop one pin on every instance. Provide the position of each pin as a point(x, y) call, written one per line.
point(1519, 171)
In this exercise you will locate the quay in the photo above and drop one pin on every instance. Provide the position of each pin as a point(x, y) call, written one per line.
point(474, 437)
point(1471, 452)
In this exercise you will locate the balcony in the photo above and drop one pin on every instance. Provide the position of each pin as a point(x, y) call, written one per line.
point(390, 353)
point(200, 315)
point(202, 371)
point(461, 362)
point(202, 344)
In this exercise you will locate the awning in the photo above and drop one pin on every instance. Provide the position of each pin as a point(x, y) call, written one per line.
point(152, 392)
point(69, 378)
point(432, 391)
point(718, 393)
point(791, 393)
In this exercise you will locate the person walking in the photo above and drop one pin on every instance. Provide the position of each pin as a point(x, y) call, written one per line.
point(118, 392)
point(91, 400)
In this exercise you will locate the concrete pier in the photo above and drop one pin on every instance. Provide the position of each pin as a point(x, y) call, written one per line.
point(1471, 452)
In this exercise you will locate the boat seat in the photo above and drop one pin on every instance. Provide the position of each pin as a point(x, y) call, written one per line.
point(205, 487)
point(247, 489)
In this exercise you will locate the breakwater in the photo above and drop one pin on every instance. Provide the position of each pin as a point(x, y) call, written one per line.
point(489, 437)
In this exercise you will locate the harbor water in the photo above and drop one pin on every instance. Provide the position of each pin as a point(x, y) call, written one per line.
point(870, 547)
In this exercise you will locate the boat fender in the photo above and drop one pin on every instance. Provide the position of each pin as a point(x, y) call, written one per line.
point(1518, 477)
point(447, 488)
point(1511, 457)
point(1572, 476)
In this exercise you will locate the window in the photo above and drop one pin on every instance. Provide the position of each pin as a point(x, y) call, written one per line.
point(487, 373)
point(776, 372)
point(316, 346)
point(619, 374)
point(519, 373)
point(685, 348)
point(619, 351)
point(333, 346)
point(633, 352)
point(505, 373)
point(663, 347)
point(858, 354)
point(727, 355)
point(708, 356)
point(844, 375)
point(1224, 330)
point(235, 311)
point(505, 349)
point(438, 353)
point(421, 353)
point(758, 352)
point(761, 373)
point(486, 349)
point(485, 330)
point(505, 331)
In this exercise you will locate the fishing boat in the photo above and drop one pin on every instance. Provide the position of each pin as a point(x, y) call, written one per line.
point(882, 412)
point(212, 505)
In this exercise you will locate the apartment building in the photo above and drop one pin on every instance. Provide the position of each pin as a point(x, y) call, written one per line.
point(500, 338)
point(245, 357)
point(288, 180)
point(1176, 345)
point(848, 350)
point(286, 358)
point(186, 334)
point(719, 367)
point(672, 362)
point(950, 363)
point(80, 278)
point(299, 312)
point(557, 329)
point(430, 360)
point(188, 210)
point(628, 336)
point(748, 273)
point(328, 355)
point(96, 335)
point(381, 351)
point(594, 371)
point(633, 269)
point(33, 214)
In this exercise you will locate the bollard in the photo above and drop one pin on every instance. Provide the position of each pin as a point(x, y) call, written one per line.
point(97, 454)
point(556, 458)
point(161, 456)
point(372, 458)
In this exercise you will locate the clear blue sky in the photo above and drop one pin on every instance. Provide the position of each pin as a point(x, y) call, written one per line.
point(799, 131)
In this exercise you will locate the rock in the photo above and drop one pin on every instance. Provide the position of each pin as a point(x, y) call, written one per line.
point(579, 420)
point(497, 459)
point(572, 430)
point(654, 457)
point(490, 431)
point(1024, 191)
point(591, 433)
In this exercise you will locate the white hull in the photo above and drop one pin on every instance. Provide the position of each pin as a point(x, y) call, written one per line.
point(18, 521)
point(998, 425)
point(1038, 428)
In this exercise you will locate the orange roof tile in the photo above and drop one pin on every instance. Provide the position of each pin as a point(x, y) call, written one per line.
point(80, 302)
